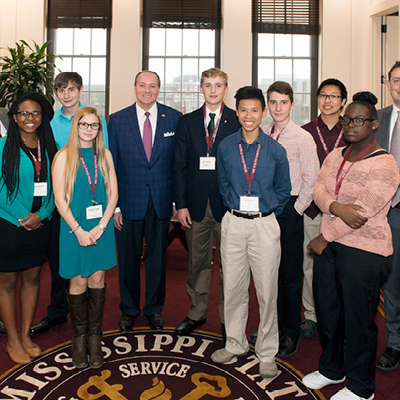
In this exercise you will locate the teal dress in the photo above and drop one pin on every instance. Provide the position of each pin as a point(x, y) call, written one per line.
point(74, 258)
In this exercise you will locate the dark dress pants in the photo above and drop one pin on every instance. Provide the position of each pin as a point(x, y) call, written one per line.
point(58, 307)
point(347, 284)
point(130, 245)
point(290, 270)
point(391, 288)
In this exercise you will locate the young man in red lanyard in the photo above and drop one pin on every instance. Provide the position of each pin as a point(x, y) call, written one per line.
point(304, 167)
point(199, 204)
point(327, 133)
point(254, 181)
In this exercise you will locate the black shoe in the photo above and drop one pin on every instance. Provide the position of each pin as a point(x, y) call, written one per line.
point(253, 337)
point(45, 324)
point(288, 346)
point(389, 359)
point(126, 323)
point(187, 326)
point(156, 322)
point(2, 329)
point(308, 328)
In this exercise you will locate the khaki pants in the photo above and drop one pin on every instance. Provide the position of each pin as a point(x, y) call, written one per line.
point(312, 228)
point(251, 245)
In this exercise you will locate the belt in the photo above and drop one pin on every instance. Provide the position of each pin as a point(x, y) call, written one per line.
point(248, 216)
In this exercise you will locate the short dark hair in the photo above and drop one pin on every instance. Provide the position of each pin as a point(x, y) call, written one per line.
point(396, 65)
point(152, 72)
point(366, 99)
point(249, 93)
point(333, 82)
point(282, 88)
point(64, 78)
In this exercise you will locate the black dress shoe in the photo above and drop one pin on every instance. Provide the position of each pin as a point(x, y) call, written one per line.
point(187, 326)
point(126, 323)
point(389, 359)
point(156, 322)
point(2, 329)
point(253, 337)
point(288, 346)
point(308, 328)
point(45, 324)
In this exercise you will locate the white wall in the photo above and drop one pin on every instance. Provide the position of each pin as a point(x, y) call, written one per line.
point(236, 58)
point(22, 19)
point(350, 41)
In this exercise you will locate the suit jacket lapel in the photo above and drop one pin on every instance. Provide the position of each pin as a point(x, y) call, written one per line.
point(160, 130)
point(386, 126)
point(135, 130)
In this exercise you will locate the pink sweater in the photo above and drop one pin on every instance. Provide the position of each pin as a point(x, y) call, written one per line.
point(371, 183)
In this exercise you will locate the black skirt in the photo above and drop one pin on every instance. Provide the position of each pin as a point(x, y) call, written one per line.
point(21, 249)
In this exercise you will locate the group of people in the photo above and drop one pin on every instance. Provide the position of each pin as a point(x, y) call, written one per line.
point(57, 160)
point(282, 201)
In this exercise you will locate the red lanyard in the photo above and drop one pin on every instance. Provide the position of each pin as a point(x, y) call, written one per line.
point(255, 162)
point(96, 172)
point(38, 161)
point(273, 130)
point(209, 140)
point(321, 139)
point(339, 180)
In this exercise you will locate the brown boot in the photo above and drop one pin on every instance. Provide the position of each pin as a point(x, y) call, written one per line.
point(78, 311)
point(96, 299)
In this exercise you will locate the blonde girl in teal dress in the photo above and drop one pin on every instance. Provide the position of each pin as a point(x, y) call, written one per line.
point(86, 194)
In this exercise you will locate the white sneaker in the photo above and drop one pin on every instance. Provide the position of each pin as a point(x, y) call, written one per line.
point(315, 380)
point(346, 394)
point(223, 356)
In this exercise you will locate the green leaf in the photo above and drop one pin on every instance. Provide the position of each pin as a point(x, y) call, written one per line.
point(21, 72)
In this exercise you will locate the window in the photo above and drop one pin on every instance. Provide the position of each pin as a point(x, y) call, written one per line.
point(80, 34)
point(285, 46)
point(181, 39)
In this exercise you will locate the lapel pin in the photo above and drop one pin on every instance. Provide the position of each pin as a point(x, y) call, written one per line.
point(163, 115)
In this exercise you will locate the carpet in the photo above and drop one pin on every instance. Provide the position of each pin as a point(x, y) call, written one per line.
point(145, 365)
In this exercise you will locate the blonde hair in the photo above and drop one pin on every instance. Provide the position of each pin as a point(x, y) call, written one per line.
point(214, 73)
point(73, 150)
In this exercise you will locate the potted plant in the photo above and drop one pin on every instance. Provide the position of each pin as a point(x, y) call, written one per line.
point(20, 72)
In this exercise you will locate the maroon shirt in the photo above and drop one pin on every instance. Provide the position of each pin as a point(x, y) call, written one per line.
point(330, 137)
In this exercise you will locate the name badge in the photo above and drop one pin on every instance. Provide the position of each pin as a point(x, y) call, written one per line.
point(249, 203)
point(93, 212)
point(207, 163)
point(40, 189)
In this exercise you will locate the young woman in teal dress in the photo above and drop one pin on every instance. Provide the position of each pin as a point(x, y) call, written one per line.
point(86, 194)
point(26, 205)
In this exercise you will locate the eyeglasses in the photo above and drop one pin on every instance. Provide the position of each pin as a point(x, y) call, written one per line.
point(329, 96)
point(357, 121)
point(26, 114)
point(84, 125)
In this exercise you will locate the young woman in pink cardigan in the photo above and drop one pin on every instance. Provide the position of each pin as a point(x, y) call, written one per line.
point(354, 190)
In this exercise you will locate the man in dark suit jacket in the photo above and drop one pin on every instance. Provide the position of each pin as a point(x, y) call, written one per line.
point(387, 117)
point(143, 165)
point(198, 201)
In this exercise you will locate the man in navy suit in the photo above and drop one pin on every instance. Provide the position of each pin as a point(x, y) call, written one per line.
point(142, 138)
point(198, 201)
point(387, 117)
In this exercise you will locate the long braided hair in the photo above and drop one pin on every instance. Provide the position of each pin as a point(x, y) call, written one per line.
point(11, 152)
